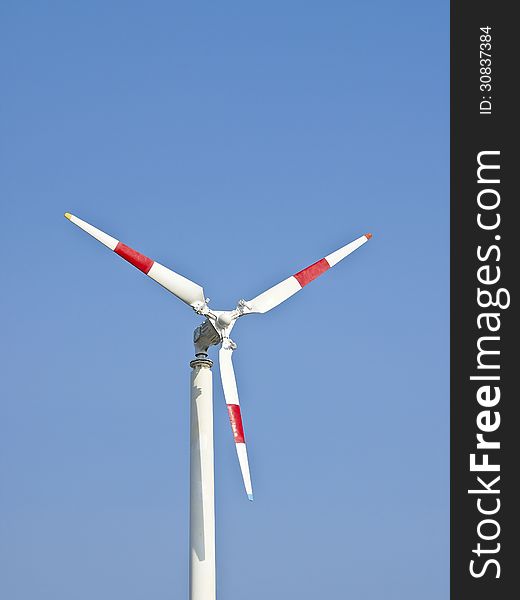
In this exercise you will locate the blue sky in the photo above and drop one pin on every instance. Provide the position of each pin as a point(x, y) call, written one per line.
point(236, 143)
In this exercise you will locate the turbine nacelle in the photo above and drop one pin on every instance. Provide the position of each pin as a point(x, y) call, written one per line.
point(204, 336)
point(215, 330)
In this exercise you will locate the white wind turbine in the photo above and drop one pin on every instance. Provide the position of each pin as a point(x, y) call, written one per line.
point(214, 330)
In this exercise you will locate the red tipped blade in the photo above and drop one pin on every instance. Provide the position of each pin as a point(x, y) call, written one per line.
point(229, 384)
point(288, 287)
point(179, 286)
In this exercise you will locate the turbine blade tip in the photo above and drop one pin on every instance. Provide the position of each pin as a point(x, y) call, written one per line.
point(250, 497)
point(368, 235)
point(67, 216)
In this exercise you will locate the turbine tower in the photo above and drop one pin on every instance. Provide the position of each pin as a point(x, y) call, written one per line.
point(215, 330)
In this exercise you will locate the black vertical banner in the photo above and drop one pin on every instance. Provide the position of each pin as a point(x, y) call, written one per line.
point(485, 259)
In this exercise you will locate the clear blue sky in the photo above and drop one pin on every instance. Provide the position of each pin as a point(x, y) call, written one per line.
point(237, 143)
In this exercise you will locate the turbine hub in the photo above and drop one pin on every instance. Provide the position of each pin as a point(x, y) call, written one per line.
point(224, 320)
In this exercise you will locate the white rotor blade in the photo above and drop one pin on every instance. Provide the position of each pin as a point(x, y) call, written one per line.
point(288, 287)
point(183, 288)
point(229, 384)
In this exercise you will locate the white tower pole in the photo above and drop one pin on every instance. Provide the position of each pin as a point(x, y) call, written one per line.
point(202, 494)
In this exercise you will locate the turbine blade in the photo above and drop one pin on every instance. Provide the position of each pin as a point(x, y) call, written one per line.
point(288, 287)
point(229, 384)
point(179, 286)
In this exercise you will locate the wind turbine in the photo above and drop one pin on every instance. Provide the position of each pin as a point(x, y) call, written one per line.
point(215, 330)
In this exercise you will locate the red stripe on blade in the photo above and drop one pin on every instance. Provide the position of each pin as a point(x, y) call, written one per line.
point(235, 418)
point(135, 258)
point(310, 273)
